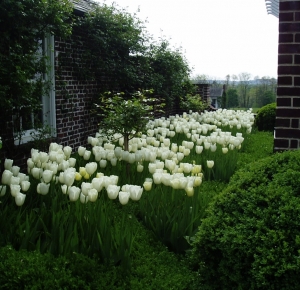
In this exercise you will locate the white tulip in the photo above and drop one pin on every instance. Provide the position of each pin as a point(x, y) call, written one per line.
point(124, 197)
point(25, 184)
point(20, 199)
point(43, 188)
point(74, 193)
point(6, 177)
point(8, 164)
point(93, 194)
point(15, 189)
point(112, 191)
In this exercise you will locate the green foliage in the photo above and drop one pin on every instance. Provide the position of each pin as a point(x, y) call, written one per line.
point(23, 25)
point(250, 239)
point(153, 267)
point(265, 118)
point(232, 98)
point(168, 71)
point(174, 218)
point(192, 103)
point(114, 45)
point(53, 224)
point(32, 270)
point(125, 117)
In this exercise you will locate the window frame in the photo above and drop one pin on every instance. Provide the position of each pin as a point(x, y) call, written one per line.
point(48, 104)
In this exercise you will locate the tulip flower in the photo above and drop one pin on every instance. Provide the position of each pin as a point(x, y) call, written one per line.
point(43, 188)
point(93, 194)
point(30, 163)
point(15, 170)
point(14, 180)
point(74, 193)
point(81, 150)
point(82, 171)
point(85, 186)
point(8, 164)
point(78, 176)
point(112, 191)
point(140, 168)
point(189, 191)
point(47, 175)
point(15, 189)
point(2, 190)
point(224, 150)
point(20, 199)
point(103, 163)
point(84, 198)
point(91, 167)
point(69, 177)
point(210, 163)
point(67, 151)
point(135, 192)
point(25, 185)
point(113, 161)
point(36, 172)
point(148, 184)
point(6, 177)
point(97, 183)
point(87, 155)
point(64, 189)
point(44, 157)
point(124, 197)
point(72, 162)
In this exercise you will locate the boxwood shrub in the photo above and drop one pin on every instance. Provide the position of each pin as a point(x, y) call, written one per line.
point(251, 236)
point(265, 118)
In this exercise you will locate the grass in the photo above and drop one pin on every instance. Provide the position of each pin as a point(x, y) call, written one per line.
point(153, 265)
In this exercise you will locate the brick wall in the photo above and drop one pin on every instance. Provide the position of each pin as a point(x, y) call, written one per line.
point(74, 94)
point(287, 126)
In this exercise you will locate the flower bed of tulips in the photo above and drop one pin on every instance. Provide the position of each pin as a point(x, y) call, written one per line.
point(73, 201)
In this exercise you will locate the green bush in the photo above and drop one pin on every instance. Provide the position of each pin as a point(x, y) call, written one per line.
point(265, 118)
point(251, 236)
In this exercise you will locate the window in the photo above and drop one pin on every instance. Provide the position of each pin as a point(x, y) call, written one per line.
point(25, 119)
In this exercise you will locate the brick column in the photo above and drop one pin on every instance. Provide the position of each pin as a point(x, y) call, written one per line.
point(287, 126)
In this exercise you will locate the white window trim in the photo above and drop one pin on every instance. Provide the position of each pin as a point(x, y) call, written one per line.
point(48, 101)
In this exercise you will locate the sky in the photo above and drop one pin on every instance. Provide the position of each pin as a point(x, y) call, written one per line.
point(217, 37)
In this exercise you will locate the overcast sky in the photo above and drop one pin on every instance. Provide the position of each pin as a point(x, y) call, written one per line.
point(218, 37)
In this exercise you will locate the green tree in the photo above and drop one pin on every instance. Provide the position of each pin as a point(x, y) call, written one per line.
point(232, 98)
point(23, 25)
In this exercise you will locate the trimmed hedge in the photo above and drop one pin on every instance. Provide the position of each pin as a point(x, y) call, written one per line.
point(251, 236)
point(265, 118)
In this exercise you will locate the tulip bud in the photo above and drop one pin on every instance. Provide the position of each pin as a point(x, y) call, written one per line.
point(2, 190)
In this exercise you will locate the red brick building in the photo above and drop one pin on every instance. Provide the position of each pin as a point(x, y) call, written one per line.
point(287, 126)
